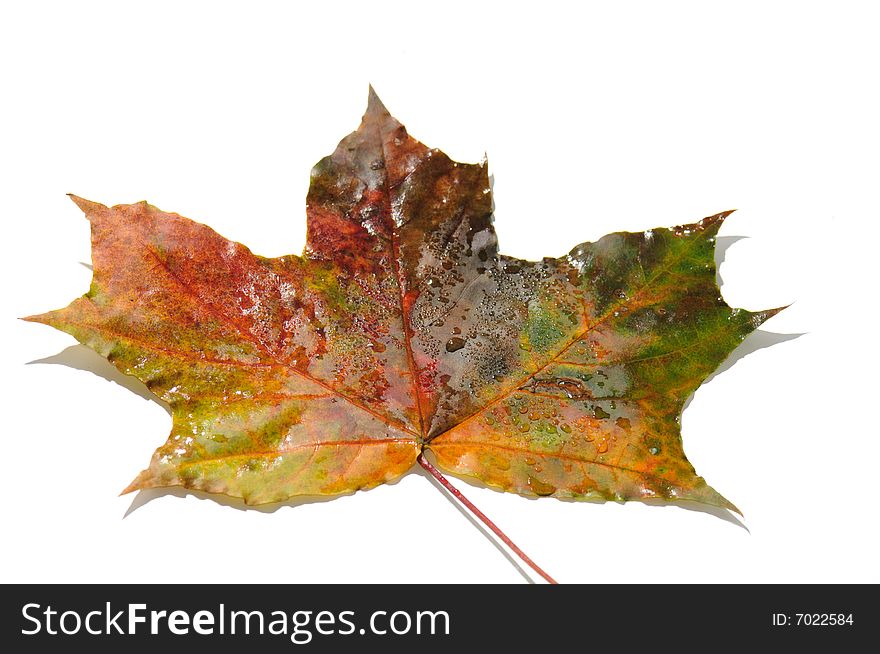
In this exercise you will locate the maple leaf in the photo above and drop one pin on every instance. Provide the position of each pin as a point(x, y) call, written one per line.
point(402, 330)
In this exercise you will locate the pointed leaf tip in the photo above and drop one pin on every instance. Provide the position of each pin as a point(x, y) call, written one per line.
point(136, 484)
point(717, 219)
point(375, 106)
point(88, 207)
point(730, 506)
point(769, 313)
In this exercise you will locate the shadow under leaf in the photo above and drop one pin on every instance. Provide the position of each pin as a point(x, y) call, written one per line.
point(144, 497)
point(81, 357)
point(757, 340)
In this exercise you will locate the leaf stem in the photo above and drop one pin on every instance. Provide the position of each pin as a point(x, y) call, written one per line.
point(482, 516)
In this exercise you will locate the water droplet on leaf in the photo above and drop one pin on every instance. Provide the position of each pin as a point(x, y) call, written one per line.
point(454, 344)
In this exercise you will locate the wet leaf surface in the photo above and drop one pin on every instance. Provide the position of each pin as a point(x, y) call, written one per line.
point(401, 329)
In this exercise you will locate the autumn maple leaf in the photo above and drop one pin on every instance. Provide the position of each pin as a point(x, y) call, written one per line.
point(400, 331)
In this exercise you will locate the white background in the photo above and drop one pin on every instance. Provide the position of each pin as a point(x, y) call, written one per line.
point(595, 119)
